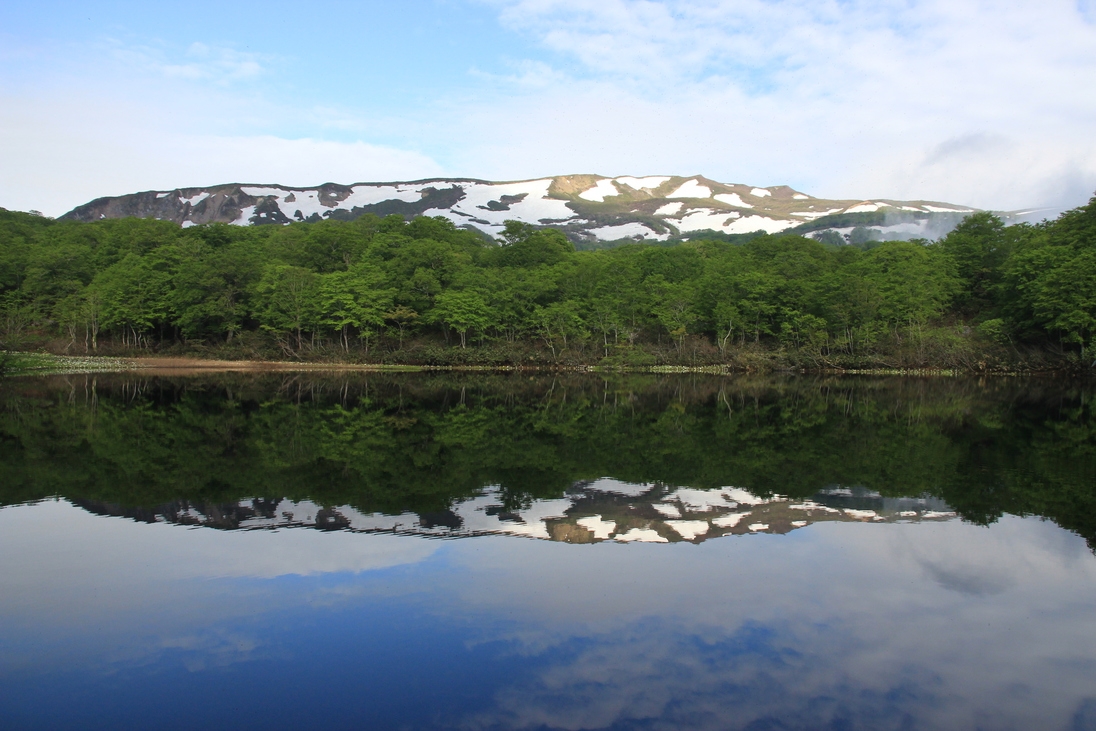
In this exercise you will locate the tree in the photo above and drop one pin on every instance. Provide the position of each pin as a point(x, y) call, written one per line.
point(355, 299)
point(134, 297)
point(674, 307)
point(462, 310)
point(559, 322)
point(287, 301)
point(402, 316)
point(979, 246)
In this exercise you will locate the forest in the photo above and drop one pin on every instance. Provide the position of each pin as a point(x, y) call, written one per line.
point(387, 290)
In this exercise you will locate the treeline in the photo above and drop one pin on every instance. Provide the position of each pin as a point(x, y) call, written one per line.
point(387, 289)
point(398, 442)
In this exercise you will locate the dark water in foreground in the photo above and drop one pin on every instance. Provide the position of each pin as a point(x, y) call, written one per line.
point(502, 552)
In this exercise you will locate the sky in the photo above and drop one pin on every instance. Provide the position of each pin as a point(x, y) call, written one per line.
point(984, 103)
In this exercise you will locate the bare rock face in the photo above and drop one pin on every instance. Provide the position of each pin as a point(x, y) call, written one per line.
point(219, 204)
point(588, 208)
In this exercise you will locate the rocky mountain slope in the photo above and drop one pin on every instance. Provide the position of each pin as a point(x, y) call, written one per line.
point(590, 209)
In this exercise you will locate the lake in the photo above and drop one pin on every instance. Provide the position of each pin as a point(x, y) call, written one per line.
point(517, 551)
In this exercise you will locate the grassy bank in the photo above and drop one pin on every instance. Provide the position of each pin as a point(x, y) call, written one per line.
point(950, 352)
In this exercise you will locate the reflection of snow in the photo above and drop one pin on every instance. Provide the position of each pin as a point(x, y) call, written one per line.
point(743, 496)
point(601, 529)
point(810, 506)
point(689, 529)
point(641, 535)
point(730, 520)
point(670, 511)
point(628, 489)
point(702, 501)
point(689, 512)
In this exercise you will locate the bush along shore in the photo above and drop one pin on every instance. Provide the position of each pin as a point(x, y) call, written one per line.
point(389, 292)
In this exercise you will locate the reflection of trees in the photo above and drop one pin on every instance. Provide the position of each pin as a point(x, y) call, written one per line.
point(390, 443)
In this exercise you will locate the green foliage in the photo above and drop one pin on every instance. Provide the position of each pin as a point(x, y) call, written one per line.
point(349, 286)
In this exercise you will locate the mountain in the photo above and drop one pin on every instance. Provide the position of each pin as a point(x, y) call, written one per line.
point(590, 209)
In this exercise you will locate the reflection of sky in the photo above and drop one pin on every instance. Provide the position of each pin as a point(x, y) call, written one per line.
point(110, 623)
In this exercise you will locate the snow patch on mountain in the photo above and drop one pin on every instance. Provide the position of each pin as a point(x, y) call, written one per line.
point(599, 192)
point(938, 209)
point(733, 199)
point(691, 189)
point(648, 183)
point(627, 231)
point(583, 207)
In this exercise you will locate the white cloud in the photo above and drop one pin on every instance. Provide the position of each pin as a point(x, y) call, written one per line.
point(978, 102)
point(841, 99)
point(118, 147)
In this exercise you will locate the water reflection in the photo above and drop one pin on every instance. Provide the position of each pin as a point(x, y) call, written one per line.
point(589, 512)
point(253, 553)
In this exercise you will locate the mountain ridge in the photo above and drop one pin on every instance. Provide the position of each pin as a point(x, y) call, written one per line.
point(589, 209)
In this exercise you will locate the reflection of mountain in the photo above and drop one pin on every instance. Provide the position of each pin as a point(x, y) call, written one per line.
point(590, 512)
point(423, 446)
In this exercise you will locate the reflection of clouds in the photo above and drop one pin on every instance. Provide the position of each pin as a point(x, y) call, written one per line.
point(68, 543)
point(215, 649)
point(117, 591)
point(667, 678)
point(941, 625)
point(843, 624)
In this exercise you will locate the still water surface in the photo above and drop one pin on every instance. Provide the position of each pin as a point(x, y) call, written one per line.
point(500, 552)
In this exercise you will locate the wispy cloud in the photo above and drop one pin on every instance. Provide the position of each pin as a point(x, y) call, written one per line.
point(198, 62)
point(878, 97)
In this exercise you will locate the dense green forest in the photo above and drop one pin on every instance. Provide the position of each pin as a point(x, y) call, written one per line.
point(423, 291)
point(396, 442)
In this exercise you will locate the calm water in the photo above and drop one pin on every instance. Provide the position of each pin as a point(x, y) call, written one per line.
point(506, 552)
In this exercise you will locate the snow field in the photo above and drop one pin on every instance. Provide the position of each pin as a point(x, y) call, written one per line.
point(670, 209)
point(699, 219)
point(733, 199)
point(760, 193)
point(648, 183)
point(691, 189)
point(938, 209)
point(598, 193)
point(627, 230)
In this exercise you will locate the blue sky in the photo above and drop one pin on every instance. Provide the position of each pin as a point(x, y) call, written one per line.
point(980, 102)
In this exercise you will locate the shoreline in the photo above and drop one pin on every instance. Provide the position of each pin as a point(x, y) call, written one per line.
point(32, 364)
